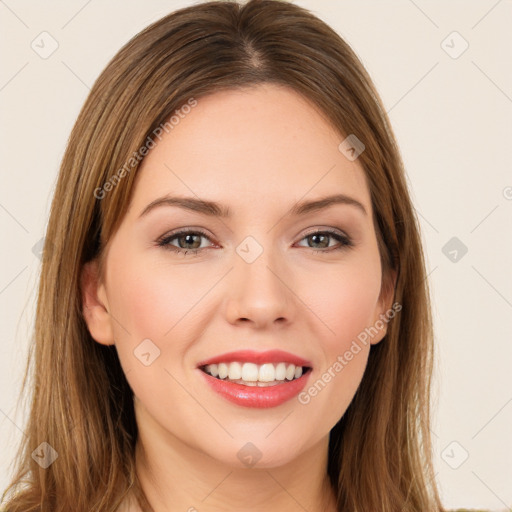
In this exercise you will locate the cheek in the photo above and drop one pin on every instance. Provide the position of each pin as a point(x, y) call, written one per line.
point(347, 302)
point(346, 307)
point(151, 299)
point(154, 301)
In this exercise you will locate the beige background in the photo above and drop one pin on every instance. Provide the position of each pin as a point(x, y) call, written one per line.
point(452, 116)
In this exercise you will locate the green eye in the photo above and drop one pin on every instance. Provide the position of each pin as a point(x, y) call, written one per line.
point(322, 238)
point(189, 241)
point(184, 238)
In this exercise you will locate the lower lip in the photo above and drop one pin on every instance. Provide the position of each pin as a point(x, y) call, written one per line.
point(254, 396)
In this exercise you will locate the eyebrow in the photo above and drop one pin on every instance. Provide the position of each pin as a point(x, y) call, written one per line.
point(214, 209)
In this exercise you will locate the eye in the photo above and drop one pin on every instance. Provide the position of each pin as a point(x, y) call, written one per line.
point(320, 240)
point(188, 241)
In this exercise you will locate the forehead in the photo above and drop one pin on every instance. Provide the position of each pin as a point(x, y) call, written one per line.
point(250, 147)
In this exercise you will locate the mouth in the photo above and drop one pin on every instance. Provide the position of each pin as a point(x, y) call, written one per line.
point(256, 379)
point(251, 374)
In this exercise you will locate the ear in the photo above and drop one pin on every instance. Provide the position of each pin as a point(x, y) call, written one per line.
point(385, 310)
point(95, 305)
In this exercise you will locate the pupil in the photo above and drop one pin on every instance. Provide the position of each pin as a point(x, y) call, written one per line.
point(315, 237)
point(188, 240)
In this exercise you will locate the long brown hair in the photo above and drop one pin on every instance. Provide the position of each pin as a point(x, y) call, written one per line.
point(81, 404)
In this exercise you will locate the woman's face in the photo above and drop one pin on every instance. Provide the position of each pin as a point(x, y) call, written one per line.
point(260, 281)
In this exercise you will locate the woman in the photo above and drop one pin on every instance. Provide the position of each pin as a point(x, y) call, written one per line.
point(228, 159)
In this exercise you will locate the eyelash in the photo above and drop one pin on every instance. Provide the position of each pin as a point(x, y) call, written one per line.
point(165, 240)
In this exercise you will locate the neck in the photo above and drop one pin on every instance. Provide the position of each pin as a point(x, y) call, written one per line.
point(175, 476)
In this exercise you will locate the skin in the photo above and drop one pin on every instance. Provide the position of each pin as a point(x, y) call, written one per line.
point(257, 151)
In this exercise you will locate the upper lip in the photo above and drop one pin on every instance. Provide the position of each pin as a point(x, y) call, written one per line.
point(250, 356)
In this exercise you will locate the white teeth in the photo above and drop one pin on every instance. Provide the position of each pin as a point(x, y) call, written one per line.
point(290, 372)
point(267, 373)
point(252, 374)
point(213, 369)
point(281, 371)
point(223, 370)
point(257, 383)
point(249, 372)
point(235, 371)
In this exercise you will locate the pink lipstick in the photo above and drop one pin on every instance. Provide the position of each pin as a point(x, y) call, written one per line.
point(256, 379)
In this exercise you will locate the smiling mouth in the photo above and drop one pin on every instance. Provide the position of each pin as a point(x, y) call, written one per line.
point(251, 374)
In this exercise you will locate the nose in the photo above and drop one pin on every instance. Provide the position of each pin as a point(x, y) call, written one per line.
point(259, 294)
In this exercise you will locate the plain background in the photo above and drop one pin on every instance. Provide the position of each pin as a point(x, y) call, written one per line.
point(451, 111)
